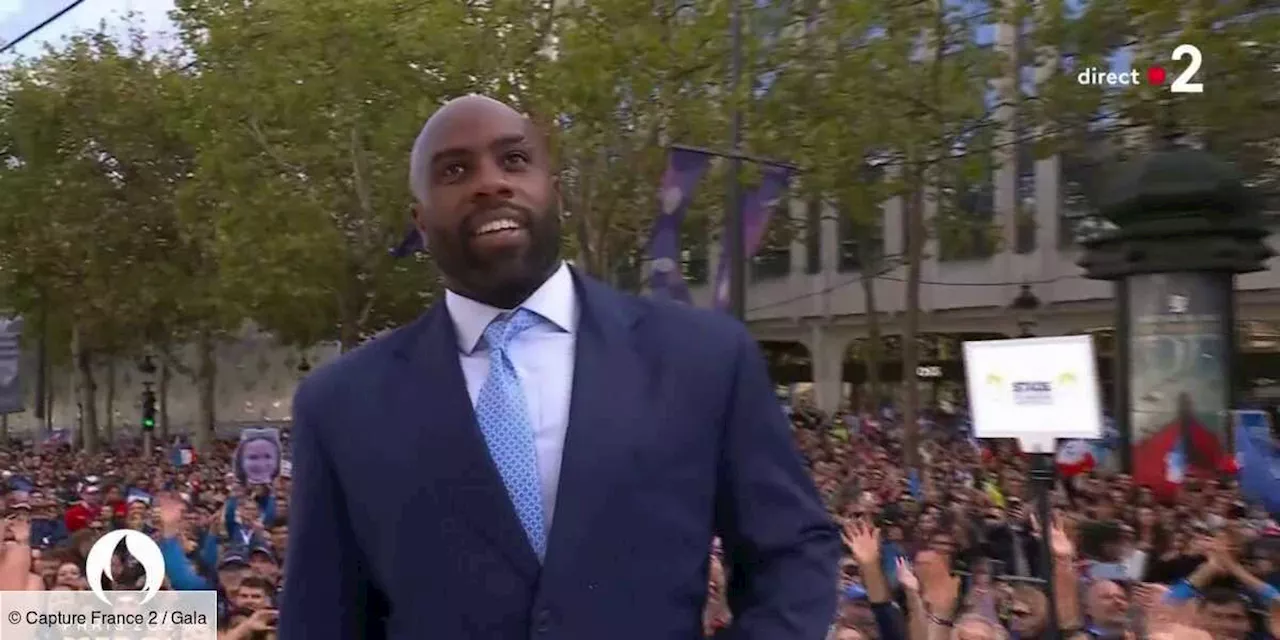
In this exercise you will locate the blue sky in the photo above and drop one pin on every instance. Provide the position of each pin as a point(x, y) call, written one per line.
point(17, 16)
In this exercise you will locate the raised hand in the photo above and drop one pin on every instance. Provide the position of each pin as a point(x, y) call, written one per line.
point(864, 541)
point(940, 589)
point(907, 577)
point(1060, 542)
point(171, 509)
point(20, 527)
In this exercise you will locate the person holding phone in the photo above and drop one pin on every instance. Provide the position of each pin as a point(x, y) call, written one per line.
point(258, 625)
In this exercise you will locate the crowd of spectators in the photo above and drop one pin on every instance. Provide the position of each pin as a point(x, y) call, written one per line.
point(952, 552)
point(215, 533)
point(956, 551)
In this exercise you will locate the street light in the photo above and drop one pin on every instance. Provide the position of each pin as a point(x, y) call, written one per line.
point(1024, 307)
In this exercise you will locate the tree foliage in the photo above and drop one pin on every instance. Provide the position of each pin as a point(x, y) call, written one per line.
point(154, 198)
point(309, 110)
point(627, 78)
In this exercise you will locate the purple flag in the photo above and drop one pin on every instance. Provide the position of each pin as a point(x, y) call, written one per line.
point(409, 245)
point(684, 170)
point(757, 208)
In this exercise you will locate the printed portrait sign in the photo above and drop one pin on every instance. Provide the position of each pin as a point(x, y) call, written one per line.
point(258, 457)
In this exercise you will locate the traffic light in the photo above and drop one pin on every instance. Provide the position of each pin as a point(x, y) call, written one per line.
point(148, 410)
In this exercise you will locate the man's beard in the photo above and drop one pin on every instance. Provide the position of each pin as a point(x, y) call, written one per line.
point(505, 281)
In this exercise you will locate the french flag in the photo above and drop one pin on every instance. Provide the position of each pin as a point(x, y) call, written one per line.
point(1075, 457)
point(1175, 465)
point(182, 456)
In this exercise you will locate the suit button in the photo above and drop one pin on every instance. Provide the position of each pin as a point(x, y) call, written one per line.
point(543, 621)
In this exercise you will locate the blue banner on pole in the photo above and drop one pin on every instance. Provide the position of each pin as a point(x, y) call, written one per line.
point(11, 395)
point(757, 209)
point(684, 169)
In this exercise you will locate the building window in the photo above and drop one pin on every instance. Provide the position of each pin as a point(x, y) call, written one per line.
point(1024, 240)
point(813, 237)
point(1077, 219)
point(693, 249)
point(965, 221)
point(966, 229)
point(861, 244)
point(861, 227)
point(773, 260)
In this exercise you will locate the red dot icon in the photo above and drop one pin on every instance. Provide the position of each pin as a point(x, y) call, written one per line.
point(1155, 75)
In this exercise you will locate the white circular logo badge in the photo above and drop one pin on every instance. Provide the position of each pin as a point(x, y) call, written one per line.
point(140, 546)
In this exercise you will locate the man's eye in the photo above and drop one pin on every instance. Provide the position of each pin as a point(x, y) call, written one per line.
point(516, 159)
point(453, 171)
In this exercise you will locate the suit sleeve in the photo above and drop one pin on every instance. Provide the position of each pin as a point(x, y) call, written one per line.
point(325, 580)
point(783, 550)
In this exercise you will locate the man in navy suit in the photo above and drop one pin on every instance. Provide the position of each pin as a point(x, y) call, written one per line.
point(539, 455)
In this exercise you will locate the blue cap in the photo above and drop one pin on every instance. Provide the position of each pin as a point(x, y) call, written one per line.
point(233, 557)
point(265, 550)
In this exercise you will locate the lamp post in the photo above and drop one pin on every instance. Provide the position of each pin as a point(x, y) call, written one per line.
point(733, 198)
point(1024, 307)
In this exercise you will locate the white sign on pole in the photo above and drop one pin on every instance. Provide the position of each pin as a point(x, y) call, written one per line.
point(1034, 389)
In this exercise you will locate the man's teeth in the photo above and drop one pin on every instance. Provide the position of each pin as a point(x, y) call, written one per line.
point(497, 225)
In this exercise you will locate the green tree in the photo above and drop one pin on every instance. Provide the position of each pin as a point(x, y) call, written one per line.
point(888, 100)
point(815, 115)
point(90, 167)
point(1232, 117)
point(624, 80)
point(940, 82)
point(309, 111)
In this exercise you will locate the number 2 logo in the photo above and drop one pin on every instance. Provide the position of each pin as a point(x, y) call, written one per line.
point(1183, 83)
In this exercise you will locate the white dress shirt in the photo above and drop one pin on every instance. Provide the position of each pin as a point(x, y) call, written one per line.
point(543, 357)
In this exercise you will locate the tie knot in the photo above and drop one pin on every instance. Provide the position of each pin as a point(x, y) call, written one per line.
point(504, 328)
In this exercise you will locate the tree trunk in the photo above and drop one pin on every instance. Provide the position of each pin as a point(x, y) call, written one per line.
point(871, 352)
point(82, 365)
point(49, 395)
point(206, 383)
point(911, 318)
point(162, 393)
point(109, 403)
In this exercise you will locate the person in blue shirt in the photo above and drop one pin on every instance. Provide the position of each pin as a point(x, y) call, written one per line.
point(47, 528)
point(246, 521)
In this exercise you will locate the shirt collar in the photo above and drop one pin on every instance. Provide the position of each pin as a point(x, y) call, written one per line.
point(556, 301)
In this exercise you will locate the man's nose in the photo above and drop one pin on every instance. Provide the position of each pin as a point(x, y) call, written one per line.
point(491, 181)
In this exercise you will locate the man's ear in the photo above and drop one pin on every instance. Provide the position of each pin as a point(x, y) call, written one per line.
point(418, 212)
point(419, 218)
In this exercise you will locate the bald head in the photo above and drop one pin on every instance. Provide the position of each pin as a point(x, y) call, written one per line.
point(487, 200)
point(448, 117)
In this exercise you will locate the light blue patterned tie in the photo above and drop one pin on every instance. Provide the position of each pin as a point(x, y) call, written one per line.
point(503, 415)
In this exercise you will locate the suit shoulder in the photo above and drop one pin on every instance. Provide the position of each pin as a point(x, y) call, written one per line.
point(706, 326)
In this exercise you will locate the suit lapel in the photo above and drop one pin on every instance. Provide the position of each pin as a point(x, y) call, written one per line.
point(608, 385)
point(443, 425)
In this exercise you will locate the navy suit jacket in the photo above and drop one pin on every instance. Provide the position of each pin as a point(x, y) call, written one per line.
point(400, 527)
